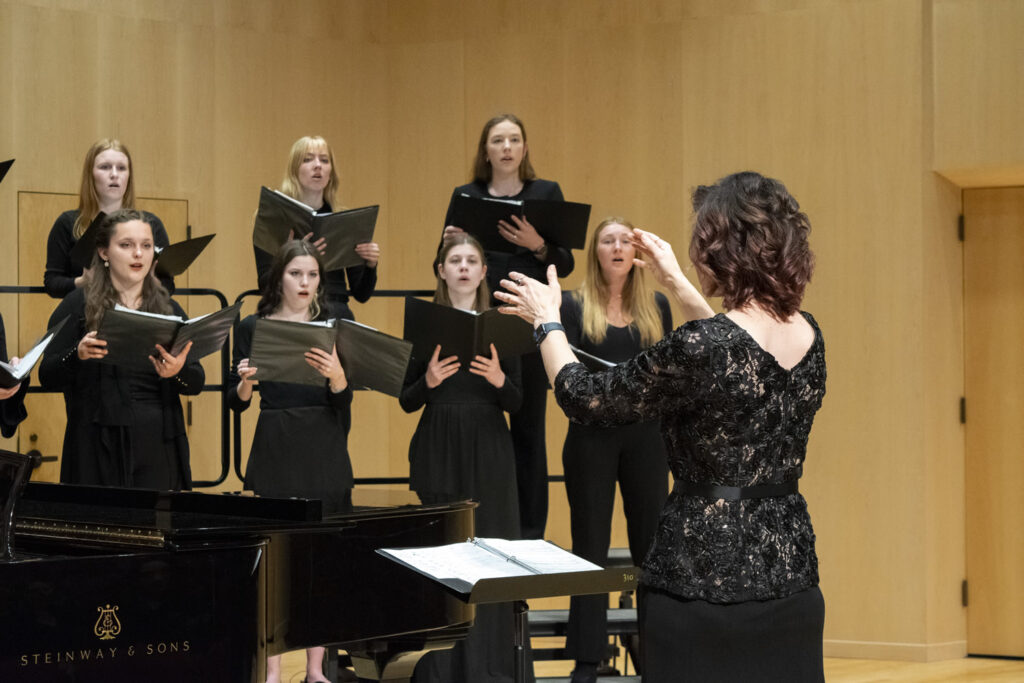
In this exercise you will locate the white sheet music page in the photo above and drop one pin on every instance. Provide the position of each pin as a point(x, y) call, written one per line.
point(543, 556)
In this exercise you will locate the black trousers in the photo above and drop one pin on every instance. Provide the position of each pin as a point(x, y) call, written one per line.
point(692, 640)
point(594, 458)
point(528, 433)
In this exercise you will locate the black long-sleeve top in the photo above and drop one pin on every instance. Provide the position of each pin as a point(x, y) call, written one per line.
point(730, 416)
point(60, 274)
point(523, 261)
point(620, 343)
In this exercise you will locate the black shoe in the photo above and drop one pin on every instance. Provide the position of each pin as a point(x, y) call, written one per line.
point(585, 672)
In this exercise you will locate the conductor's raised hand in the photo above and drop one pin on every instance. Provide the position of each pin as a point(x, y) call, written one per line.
point(328, 365)
point(168, 365)
point(91, 348)
point(439, 370)
point(521, 233)
point(489, 368)
point(531, 300)
point(369, 252)
point(656, 255)
point(7, 393)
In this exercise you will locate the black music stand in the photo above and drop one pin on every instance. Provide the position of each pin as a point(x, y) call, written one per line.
point(519, 589)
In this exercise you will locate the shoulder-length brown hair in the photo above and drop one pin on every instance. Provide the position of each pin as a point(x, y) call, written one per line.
point(482, 172)
point(88, 200)
point(637, 296)
point(483, 292)
point(749, 244)
point(100, 293)
point(290, 183)
point(270, 298)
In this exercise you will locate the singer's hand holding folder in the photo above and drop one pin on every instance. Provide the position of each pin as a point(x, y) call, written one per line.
point(280, 214)
point(132, 336)
point(12, 375)
point(562, 223)
point(463, 333)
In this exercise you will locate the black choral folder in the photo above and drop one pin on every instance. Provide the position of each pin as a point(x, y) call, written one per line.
point(372, 359)
point(463, 333)
point(83, 249)
point(279, 348)
point(5, 166)
point(561, 223)
point(174, 259)
point(132, 336)
point(342, 230)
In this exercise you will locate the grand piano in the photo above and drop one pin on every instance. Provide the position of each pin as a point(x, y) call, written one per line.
point(108, 584)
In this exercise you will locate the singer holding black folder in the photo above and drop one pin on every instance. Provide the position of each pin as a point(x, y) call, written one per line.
point(502, 169)
point(107, 185)
point(125, 426)
point(300, 447)
point(12, 400)
point(312, 178)
point(613, 315)
point(462, 447)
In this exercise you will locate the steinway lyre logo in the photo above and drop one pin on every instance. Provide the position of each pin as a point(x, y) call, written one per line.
point(107, 624)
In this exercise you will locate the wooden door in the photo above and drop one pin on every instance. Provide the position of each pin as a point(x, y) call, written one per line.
point(994, 388)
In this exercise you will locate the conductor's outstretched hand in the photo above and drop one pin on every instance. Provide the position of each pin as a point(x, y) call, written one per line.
point(531, 300)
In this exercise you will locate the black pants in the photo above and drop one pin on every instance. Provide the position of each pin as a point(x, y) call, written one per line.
point(594, 458)
point(693, 640)
point(527, 427)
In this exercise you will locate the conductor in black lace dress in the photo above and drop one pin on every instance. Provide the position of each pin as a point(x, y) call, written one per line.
point(729, 590)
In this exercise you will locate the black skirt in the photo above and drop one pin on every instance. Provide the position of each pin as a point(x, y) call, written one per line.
point(692, 640)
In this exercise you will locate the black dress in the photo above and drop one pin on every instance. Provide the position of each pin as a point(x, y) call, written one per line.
point(60, 274)
point(594, 459)
point(300, 447)
point(359, 281)
point(528, 423)
point(12, 410)
point(740, 574)
point(462, 448)
point(125, 427)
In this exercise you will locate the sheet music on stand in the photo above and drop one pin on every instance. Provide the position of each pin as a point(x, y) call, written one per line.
point(485, 570)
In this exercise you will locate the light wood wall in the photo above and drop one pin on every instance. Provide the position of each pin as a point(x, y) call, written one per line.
point(853, 104)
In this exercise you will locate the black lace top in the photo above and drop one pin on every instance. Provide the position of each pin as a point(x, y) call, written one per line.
point(731, 416)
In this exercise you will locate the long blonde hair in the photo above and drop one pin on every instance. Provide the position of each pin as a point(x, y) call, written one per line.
point(88, 200)
point(290, 184)
point(483, 292)
point(637, 296)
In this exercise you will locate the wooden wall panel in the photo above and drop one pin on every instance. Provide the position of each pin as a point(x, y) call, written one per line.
point(979, 67)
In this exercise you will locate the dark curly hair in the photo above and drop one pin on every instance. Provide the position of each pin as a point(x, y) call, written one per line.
point(749, 244)
point(270, 297)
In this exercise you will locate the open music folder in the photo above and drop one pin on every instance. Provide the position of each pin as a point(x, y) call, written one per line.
point(593, 363)
point(132, 336)
point(482, 570)
point(464, 333)
point(174, 259)
point(372, 359)
point(280, 214)
point(11, 375)
point(5, 166)
point(562, 223)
